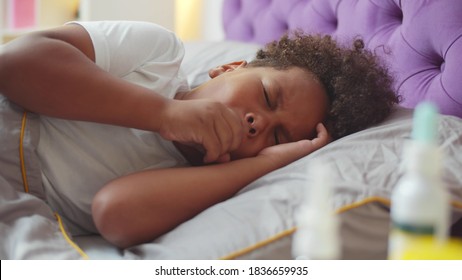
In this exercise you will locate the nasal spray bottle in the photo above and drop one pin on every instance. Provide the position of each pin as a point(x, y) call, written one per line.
point(419, 203)
point(317, 235)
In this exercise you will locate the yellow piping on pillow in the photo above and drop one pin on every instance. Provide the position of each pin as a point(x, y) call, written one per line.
point(292, 230)
point(357, 204)
point(259, 244)
point(288, 232)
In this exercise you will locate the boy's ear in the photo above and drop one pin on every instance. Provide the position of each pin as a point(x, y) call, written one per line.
point(217, 71)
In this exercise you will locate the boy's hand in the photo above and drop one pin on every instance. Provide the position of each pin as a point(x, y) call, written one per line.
point(211, 126)
point(284, 154)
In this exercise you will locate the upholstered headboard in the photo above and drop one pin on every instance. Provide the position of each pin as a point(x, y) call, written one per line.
point(420, 40)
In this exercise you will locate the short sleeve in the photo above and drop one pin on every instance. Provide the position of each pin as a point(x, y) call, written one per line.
point(121, 47)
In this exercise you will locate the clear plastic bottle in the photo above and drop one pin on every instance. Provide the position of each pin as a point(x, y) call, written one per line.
point(419, 202)
point(317, 235)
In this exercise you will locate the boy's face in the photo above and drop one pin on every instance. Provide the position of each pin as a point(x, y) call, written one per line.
point(278, 106)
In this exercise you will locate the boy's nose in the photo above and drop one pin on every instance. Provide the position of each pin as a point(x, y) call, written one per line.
point(256, 124)
point(251, 122)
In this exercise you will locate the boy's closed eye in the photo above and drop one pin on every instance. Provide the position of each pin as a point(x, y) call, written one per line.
point(270, 105)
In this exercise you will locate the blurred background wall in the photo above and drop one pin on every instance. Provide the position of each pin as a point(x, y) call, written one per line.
point(192, 20)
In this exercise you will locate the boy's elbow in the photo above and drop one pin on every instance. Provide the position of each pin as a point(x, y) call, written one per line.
point(118, 219)
point(110, 220)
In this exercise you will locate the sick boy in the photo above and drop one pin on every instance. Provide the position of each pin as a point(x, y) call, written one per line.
point(128, 150)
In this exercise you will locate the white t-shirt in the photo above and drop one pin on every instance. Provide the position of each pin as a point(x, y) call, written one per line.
point(79, 158)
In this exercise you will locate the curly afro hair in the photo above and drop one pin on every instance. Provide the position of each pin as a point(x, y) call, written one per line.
point(358, 86)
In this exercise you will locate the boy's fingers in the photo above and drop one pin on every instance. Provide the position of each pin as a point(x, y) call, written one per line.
point(323, 137)
point(236, 130)
point(224, 133)
point(224, 158)
point(228, 130)
point(305, 147)
point(211, 144)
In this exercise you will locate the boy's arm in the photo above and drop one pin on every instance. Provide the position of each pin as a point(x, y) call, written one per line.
point(142, 206)
point(53, 73)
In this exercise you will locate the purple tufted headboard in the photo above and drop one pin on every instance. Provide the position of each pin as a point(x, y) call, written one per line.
point(421, 40)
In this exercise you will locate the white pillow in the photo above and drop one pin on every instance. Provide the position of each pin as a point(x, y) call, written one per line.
point(259, 222)
point(200, 57)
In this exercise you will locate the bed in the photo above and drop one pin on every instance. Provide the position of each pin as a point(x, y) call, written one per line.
point(421, 42)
